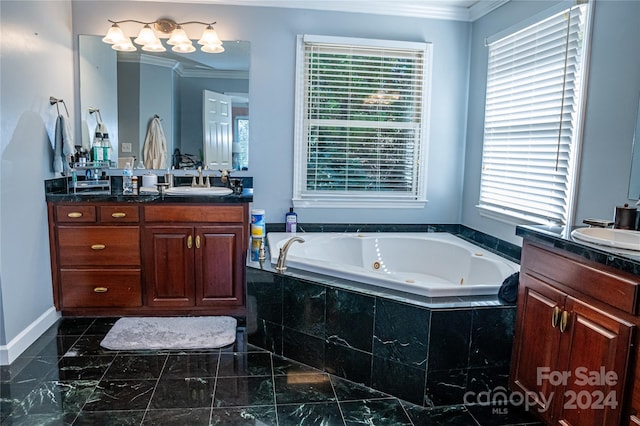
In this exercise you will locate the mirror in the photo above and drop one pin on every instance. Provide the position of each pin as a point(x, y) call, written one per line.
point(634, 180)
point(126, 90)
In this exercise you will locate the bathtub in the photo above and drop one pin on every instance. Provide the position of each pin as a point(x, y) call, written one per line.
point(433, 264)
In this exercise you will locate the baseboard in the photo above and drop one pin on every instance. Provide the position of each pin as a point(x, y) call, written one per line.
point(17, 345)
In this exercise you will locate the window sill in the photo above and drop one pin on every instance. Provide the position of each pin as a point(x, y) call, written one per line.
point(358, 204)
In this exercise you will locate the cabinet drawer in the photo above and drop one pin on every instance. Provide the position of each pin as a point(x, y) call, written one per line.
point(92, 288)
point(181, 213)
point(609, 286)
point(76, 213)
point(119, 214)
point(99, 245)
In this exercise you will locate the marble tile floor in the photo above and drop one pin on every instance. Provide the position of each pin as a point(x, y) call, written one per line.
point(66, 378)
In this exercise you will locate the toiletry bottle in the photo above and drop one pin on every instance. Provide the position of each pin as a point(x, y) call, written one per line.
point(97, 152)
point(127, 179)
point(106, 148)
point(291, 221)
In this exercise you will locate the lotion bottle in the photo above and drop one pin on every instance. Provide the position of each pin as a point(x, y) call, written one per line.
point(291, 221)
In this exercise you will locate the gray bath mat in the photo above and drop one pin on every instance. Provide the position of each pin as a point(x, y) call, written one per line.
point(138, 333)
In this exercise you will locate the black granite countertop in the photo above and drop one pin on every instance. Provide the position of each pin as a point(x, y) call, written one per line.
point(56, 192)
point(559, 237)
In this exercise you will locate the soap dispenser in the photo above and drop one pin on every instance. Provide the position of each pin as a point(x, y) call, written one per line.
point(625, 217)
point(291, 221)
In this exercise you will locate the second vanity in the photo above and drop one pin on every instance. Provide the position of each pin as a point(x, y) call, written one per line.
point(118, 255)
point(575, 354)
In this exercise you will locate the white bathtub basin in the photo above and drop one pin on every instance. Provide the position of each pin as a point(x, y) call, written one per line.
point(429, 264)
point(191, 191)
point(613, 238)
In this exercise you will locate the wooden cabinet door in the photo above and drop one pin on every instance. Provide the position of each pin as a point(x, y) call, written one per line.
point(169, 266)
point(594, 350)
point(536, 342)
point(219, 265)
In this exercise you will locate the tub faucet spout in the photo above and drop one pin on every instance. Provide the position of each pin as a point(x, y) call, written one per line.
point(281, 266)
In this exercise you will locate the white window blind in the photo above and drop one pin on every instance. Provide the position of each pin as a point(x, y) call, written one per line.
point(361, 134)
point(532, 119)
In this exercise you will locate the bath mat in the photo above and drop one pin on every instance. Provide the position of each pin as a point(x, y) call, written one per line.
point(139, 333)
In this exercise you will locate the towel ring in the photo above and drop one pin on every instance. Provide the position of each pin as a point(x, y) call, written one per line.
point(56, 102)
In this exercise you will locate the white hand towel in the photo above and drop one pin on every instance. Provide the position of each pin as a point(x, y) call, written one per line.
point(155, 149)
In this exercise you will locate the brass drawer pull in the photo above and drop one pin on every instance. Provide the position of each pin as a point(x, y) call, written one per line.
point(197, 241)
point(74, 215)
point(563, 321)
point(189, 241)
point(555, 316)
point(98, 247)
point(118, 214)
point(100, 290)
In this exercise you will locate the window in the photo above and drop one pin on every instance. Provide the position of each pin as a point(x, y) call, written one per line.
point(533, 119)
point(360, 136)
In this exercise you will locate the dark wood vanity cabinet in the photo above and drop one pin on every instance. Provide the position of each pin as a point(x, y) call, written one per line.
point(124, 259)
point(575, 335)
point(96, 260)
point(193, 266)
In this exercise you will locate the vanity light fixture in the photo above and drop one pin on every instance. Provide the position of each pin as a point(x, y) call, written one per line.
point(151, 32)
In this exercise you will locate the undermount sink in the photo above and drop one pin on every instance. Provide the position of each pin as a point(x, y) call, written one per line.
point(614, 238)
point(197, 191)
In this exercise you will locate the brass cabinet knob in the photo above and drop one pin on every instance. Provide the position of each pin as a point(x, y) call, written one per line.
point(197, 241)
point(189, 241)
point(100, 290)
point(98, 247)
point(74, 215)
point(118, 214)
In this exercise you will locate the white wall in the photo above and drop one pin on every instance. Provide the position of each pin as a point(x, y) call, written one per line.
point(272, 33)
point(612, 102)
point(37, 62)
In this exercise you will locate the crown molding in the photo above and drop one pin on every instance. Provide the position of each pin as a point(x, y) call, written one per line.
point(454, 10)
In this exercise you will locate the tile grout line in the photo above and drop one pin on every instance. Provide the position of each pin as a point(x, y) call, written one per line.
point(146, 410)
point(273, 387)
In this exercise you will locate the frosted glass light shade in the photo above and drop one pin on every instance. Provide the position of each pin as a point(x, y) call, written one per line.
point(184, 48)
point(125, 46)
point(209, 36)
point(114, 35)
point(154, 47)
point(178, 36)
point(212, 48)
point(146, 36)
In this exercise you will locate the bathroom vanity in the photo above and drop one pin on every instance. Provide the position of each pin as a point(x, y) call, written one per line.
point(121, 255)
point(575, 352)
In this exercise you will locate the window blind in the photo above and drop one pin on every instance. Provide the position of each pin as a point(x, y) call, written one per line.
point(362, 121)
point(532, 113)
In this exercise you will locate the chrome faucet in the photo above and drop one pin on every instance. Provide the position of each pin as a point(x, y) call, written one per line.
point(281, 266)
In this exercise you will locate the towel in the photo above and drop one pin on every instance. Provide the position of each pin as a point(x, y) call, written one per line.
point(63, 147)
point(508, 292)
point(154, 150)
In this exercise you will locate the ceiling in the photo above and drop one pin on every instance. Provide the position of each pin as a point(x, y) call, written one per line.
point(457, 10)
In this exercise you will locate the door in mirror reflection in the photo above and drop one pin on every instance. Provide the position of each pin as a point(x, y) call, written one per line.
point(217, 130)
